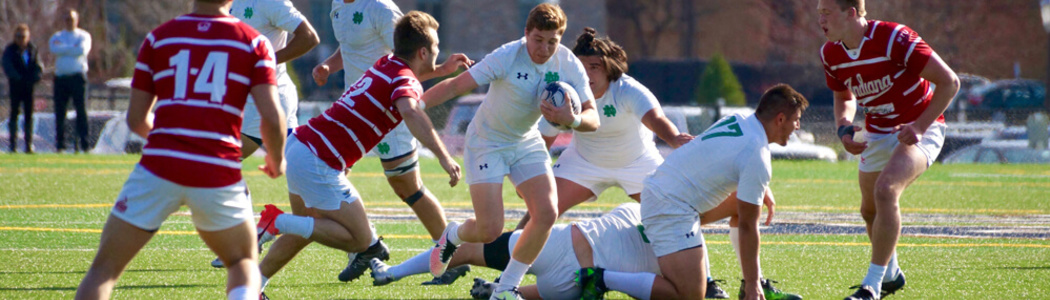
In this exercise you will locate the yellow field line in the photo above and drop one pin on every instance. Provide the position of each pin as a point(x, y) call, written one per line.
point(427, 237)
point(398, 204)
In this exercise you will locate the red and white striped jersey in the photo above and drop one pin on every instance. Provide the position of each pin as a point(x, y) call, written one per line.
point(883, 74)
point(201, 69)
point(363, 115)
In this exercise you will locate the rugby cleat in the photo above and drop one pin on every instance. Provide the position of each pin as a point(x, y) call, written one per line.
point(442, 253)
point(482, 289)
point(511, 294)
point(714, 291)
point(863, 292)
point(592, 283)
point(217, 263)
point(890, 287)
point(359, 262)
point(450, 276)
point(380, 273)
point(770, 291)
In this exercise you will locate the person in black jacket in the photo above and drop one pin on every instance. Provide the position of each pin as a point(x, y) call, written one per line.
point(23, 71)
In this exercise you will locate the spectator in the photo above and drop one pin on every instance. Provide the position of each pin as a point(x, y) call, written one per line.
point(70, 47)
point(23, 71)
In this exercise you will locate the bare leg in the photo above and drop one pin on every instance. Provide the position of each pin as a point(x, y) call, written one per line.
point(235, 246)
point(427, 208)
point(906, 164)
point(120, 242)
point(346, 228)
point(248, 147)
point(541, 201)
point(287, 246)
point(684, 271)
point(487, 223)
point(570, 194)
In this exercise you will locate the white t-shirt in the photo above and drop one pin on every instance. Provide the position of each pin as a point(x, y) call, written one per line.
point(274, 19)
point(512, 107)
point(732, 155)
point(622, 138)
point(365, 31)
point(71, 49)
point(617, 241)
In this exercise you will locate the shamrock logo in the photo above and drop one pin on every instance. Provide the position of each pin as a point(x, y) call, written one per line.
point(550, 77)
point(384, 148)
point(248, 12)
point(358, 17)
point(609, 110)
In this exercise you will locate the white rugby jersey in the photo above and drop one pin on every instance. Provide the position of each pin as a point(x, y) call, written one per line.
point(732, 155)
point(273, 19)
point(365, 31)
point(512, 107)
point(618, 242)
point(622, 138)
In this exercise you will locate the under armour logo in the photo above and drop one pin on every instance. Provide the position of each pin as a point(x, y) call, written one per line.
point(557, 165)
point(483, 166)
point(690, 235)
point(526, 76)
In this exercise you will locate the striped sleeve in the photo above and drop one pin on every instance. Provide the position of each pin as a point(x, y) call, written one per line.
point(265, 70)
point(910, 50)
point(408, 87)
point(833, 83)
point(143, 76)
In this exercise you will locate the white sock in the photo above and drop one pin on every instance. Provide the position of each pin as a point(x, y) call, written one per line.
point(297, 225)
point(734, 239)
point(242, 293)
point(874, 278)
point(418, 264)
point(638, 285)
point(453, 234)
point(265, 280)
point(512, 276)
point(707, 262)
point(375, 236)
point(891, 269)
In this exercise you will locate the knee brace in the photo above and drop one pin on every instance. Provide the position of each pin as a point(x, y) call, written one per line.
point(404, 168)
point(411, 199)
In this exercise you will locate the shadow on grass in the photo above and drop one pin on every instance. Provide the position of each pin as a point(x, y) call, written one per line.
point(127, 287)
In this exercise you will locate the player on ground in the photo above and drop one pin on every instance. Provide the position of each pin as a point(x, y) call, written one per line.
point(903, 88)
point(732, 155)
point(365, 31)
point(331, 210)
point(274, 19)
point(502, 138)
point(201, 66)
point(620, 153)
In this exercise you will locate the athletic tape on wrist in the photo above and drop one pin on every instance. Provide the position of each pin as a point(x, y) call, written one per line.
point(845, 130)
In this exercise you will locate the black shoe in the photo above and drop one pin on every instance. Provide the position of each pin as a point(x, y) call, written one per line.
point(890, 287)
point(450, 276)
point(262, 296)
point(863, 293)
point(482, 289)
point(359, 262)
point(714, 291)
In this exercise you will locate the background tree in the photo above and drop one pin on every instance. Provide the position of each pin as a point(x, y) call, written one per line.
point(718, 81)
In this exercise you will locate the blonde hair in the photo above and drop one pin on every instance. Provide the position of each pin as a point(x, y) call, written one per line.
point(857, 4)
point(545, 17)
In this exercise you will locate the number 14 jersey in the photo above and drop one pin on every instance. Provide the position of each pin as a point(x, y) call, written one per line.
point(201, 69)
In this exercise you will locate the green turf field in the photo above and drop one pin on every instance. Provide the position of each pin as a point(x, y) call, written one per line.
point(52, 208)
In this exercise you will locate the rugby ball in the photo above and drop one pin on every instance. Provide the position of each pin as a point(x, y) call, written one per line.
point(557, 94)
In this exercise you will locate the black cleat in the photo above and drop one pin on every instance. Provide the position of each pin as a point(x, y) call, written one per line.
point(863, 293)
point(450, 276)
point(714, 291)
point(359, 262)
point(890, 287)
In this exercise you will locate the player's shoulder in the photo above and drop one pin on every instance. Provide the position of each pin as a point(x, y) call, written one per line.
point(511, 48)
point(382, 6)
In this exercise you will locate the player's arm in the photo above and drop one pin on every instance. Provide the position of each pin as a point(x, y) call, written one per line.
point(304, 40)
point(140, 112)
point(588, 117)
point(749, 245)
point(330, 65)
point(448, 89)
point(453, 63)
point(419, 124)
point(656, 121)
point(845, 107)
point(946, 86)
point(272, 129)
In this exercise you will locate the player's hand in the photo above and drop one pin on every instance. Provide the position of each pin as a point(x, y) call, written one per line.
point(453, 63)
point(853, 147)
point(682, 138)
point(320, 74)
point(452, 168)
point(272, 168)
point(560, 115)
point(907, 134)
point(770, 202)
point(753, 291)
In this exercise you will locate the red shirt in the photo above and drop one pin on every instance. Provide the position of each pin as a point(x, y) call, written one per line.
point(883, 74)
point(200, 68)
point(363, 115)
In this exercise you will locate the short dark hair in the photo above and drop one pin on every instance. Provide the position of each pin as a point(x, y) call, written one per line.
point(412, 33)
point(858, 4)
point(22, 27)
point(780, 98)
point(613, 58)
point(546, 16)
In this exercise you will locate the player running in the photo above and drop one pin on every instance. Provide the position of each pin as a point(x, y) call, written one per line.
point(502, 139)
point(365, 31)
point(732, 155)
point(331, 210)
point(274, 19)
point(903, 88)
point(201, 66)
